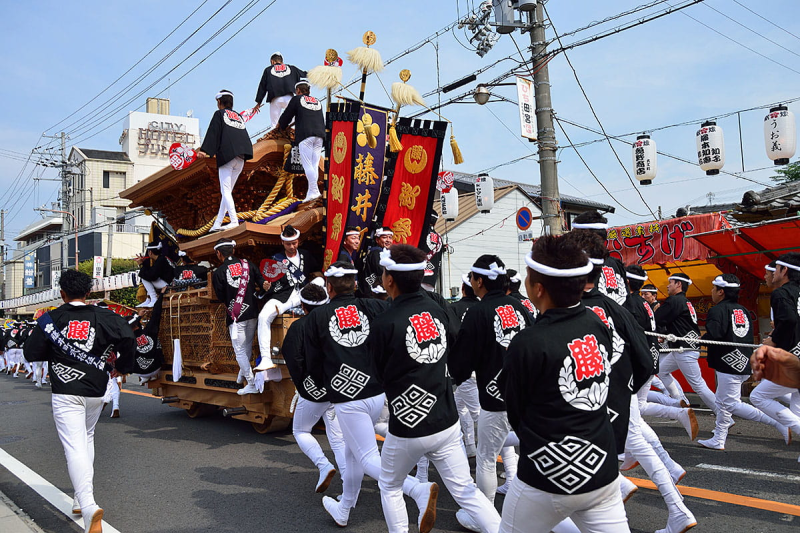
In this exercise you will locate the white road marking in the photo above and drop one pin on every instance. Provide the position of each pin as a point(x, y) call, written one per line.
point(748, 471)
point(45, 489)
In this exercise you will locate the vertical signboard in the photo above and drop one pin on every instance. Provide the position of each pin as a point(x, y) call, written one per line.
point(527, 108)
point(99, 263)
point(30, 272)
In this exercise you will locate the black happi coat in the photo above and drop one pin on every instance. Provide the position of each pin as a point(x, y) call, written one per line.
point(189, 274)
point(459, 309)
point(612, 280)
point(92, 329)
point(161, 269)
point(646, 318)
point(410, 342)
point(293, 350)
point(631, 359)
point(226, 283)
point(277, 81)
point(336, 347)
point(295, 278)
point(527, 303)
point(149, 355)
point(676, 315)
point(309, 120)
point(486, 331)
point(227, 137)
point(728, 321)
point(785, 304)
point(370, 276)
point(555, 381)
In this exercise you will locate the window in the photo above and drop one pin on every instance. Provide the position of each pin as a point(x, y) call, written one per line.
point(106, 179)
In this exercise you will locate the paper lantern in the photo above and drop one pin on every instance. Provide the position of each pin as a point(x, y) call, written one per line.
point(484, 193)
point(644, 159)
point(449, 201)
point(710, 148)
point(780, 135)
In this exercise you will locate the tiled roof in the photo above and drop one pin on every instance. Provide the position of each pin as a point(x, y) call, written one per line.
point(105, 155)
point(773, 202)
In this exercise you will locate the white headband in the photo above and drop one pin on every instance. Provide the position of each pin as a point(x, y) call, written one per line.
point(679, 277)
point(133, 318)
point(465, 279)
point(181, 253)
point(377, 289)
point(631, 275)
point(338, 272)
point(311, 302)
point(352, 232)
point(719, 282)
point(593, 225)
point(515, 278)
point(303, 81)
point(492, 273)
point(648, 290)
point(278, 54)
point(389, 264)
point(787, 265)
point(223, 93)
point(558, 272)
point(380, 232)
point(769, 268)
point(226, 243)
point(293, 237)
point(596, 261)
point(158, 247)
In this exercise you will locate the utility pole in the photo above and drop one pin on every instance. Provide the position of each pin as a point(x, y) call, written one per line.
point(66, 174)
point(2, 254)
point(548, 164)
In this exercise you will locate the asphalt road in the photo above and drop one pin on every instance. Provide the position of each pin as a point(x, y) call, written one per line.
point(158, 471)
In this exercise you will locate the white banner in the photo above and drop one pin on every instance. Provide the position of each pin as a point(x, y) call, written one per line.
point(527, 108)
point(99, 263)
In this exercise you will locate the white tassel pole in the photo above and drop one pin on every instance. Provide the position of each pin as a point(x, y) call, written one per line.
point(177, 360)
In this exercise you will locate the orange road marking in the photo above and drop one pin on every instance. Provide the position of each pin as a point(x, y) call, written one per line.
point(136, 392)
point(724, 497)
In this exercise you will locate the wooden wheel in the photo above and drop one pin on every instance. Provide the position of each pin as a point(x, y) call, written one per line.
point(199, 410)
point(271, 424)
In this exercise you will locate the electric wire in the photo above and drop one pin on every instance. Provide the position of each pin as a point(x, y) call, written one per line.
point(767, 20)
point(748, 28)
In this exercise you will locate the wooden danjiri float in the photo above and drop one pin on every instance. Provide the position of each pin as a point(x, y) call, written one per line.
point(379, 170)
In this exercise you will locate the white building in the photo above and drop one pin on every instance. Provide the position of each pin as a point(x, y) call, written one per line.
point(473, 234)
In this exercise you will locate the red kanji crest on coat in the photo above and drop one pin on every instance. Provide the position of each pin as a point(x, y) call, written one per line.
point(78, 330)
point(424, 327)
point(187, 274)
point(235, 269)
point(142, 340)
point(279, 68)
point(310, 99)
point(587, 356)
point(508, 316)
point(611, 278)
point(529, 306)
point(599, 311)
point(739, 318)
point(347, 317)
point(692, 312)
point(233, 115)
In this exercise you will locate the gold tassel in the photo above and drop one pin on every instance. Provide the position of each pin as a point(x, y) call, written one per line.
point(457, 157)
point(394, 141)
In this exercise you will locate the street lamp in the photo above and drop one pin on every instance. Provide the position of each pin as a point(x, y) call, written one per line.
point(481, 94)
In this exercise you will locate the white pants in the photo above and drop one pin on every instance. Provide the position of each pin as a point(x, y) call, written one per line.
point(763, 397)
point(672, 387)
point(272, 309)
point(445, 450)
point(310, 154)
point(75, 418)
point(152, 286)
point(276, 108)
point(40, 371)
point(493, 429)
point(661, 408)
point(242, 334)
point(469, 408)
point(729, 403)
point(530, 510)
point(686, 362)
point(228, 174)
point(306, 415)
point(112, 392)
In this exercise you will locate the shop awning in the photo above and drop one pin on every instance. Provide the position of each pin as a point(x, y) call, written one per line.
point(752, 247)
point(700, 272)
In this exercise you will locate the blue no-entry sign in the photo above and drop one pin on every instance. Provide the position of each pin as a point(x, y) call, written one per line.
point(524, 218)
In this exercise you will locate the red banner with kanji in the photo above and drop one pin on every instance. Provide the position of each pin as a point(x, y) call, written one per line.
point(416, 166)
point(342, 119)
point(663, 242)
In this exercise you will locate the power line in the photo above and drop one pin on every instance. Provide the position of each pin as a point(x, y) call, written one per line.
point(612, 17)
point(748, 28)
point(767, 20)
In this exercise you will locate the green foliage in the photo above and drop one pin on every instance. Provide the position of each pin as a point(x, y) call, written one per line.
point(790, 174)
point(118, 266)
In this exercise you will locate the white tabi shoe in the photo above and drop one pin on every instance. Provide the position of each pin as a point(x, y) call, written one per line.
point(677, 474)
point(711, 444)
point(93, 520)
point(626, 488)
point(37, 384)
point(466, 521)
point(325, 478)
point(679, 523)
point(76, 508)
point(426, 496)
point(334, 508)
point(265, 364)
point(688, 420)
point(311, 197)
point(247, 389)
point(147, 303)
point(787, 434)
point(629, 463)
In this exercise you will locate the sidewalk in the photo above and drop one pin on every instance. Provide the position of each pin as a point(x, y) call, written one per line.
point(13, 520)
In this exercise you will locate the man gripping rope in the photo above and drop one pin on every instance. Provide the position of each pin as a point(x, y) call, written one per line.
point(277, 84)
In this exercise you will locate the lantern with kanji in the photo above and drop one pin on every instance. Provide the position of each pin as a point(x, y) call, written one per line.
point(644, 159)
point(449, 202)
point(780, 134)
point(710, 148)
point(484, 193)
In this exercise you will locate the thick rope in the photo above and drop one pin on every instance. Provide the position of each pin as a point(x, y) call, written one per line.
point(670, 337)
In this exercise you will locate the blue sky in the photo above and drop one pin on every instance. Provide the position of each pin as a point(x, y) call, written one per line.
point(59, 55)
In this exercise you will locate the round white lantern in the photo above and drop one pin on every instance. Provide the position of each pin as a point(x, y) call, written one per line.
point(484, 193)
point(449, 202)
point(780, 135)
point(644, 159)
point(710, 148)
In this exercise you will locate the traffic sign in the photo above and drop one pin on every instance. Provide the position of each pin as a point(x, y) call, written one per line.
point(524, 218)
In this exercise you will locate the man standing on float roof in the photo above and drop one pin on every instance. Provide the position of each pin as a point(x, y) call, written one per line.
point(309, 131)
point(277, 84)
point(228, 140)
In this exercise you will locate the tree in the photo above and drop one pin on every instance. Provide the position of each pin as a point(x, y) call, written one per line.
point(118, 266)
point(790, 174)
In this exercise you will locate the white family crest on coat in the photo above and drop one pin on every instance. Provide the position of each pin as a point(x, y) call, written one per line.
point(280, 70)
point(144, 362)
point(349, 381)
point(233, 119)
point(66, 373)
point(587, 359)
point(80, 330)
point(425, 328)
point(569, 464)
point(352, 319)
point(411, 407)
point(144, 343)
point(741, 325)
point(507, 323)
